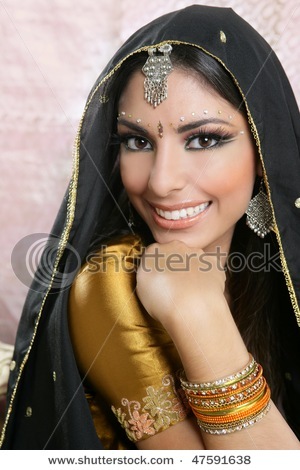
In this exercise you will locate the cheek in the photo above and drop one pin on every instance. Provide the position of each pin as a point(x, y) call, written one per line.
point(233, 173)
point(134, 173)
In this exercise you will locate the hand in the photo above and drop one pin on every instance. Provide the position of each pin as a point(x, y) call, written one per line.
point(173, 277)
point(184, 289)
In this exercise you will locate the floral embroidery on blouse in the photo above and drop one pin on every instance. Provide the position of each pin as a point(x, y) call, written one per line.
point(161, 408)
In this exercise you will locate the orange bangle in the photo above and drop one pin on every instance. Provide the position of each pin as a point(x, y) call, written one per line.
point(231, 403)
point(228, 402)
point(227, 428)
point(235, 416)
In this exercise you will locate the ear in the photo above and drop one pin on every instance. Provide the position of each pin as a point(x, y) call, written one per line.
point(259, 170)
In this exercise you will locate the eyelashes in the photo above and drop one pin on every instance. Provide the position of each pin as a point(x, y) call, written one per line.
point(117, 139)
point(206, 139)
point(202, 139)
point(132, 142)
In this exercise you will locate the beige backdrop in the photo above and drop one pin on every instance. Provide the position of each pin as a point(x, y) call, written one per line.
point(51, 54)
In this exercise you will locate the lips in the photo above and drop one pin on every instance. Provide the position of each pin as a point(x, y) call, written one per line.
point(183, 213)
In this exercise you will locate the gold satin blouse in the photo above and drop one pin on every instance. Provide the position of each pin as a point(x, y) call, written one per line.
point(127, 360)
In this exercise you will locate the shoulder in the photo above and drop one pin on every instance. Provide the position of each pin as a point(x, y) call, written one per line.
point(124, 245)
point(103, 294)
point(108, 272)
point(117, 256)
point(114, 256)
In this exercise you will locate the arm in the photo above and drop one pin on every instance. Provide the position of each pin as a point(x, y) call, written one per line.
point(209, 344)
point(126, 357)
point(185, 436)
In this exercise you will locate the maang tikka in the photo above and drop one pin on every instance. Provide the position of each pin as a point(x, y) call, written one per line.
point(259, 213)
point(157, 68)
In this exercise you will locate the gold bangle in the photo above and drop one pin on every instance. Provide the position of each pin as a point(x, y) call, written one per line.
point(237, 426)
point(221, 403)
point(235, 415)
point(233, 410)
point(225, 396)
point(226, 391)
point(231, 403)
point(224, 382)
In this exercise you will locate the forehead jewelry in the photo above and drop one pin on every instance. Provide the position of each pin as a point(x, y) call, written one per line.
point(157, 68)
point(160, 130)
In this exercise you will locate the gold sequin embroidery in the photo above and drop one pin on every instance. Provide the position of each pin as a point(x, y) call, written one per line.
point(223, 37)
point(160, 408)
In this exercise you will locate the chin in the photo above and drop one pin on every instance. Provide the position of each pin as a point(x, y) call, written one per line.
point(169, 236)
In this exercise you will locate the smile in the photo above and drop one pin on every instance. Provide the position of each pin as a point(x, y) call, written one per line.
point(184, 213)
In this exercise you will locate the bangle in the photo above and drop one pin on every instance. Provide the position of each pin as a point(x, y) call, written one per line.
point(237, 426)
point(223, 403)
point(231, 403)
point(221, 383)
point(226, 391)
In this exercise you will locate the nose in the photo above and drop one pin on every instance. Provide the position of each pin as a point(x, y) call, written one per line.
point(168, 171)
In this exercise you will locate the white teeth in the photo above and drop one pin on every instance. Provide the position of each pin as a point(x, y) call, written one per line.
point(182, 213)
point(175, 215)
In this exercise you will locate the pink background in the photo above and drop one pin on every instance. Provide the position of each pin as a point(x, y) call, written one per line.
point(51, 53)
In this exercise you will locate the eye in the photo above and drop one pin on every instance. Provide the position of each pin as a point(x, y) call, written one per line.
point(137, 143)
point(203, 141)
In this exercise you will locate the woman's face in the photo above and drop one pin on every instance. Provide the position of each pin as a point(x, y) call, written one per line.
point(189, 165)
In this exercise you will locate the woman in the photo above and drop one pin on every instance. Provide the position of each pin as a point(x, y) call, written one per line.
point(193, 122)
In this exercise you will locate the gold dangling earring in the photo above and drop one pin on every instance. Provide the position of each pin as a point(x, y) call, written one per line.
point(259, 214)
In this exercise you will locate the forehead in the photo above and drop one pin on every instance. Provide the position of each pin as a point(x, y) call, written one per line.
point(186, 92)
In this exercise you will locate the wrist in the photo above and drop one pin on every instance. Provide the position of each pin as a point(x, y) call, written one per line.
point(207, 340)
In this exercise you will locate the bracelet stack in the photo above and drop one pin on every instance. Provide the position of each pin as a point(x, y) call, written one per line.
point(229, 404)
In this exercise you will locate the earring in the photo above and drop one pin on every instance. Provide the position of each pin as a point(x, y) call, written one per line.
point(259, 214)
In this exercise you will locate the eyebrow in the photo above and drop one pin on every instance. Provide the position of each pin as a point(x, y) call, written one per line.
point(202, 122)
point(132, 125)
point(181, 129)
